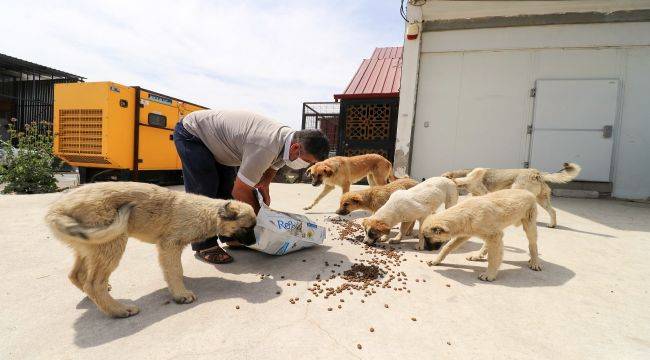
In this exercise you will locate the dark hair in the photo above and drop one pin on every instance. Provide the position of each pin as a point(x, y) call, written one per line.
point(314, 142)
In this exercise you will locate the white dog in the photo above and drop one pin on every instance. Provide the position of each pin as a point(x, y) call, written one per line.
point(407, 206)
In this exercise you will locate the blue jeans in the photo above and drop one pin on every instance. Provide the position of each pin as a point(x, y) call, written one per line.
point(202, 174)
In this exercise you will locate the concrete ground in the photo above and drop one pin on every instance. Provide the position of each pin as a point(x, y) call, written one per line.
point(590, 301)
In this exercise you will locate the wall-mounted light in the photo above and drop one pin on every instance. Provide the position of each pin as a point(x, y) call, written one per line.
point(412, 31)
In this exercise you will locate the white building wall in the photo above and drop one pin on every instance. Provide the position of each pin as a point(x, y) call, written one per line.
point(437, 10)
point(473, 91)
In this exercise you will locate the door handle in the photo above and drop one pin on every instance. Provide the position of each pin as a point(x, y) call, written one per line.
point(607, 131)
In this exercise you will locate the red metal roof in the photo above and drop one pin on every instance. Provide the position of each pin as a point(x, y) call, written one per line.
point(377, 77)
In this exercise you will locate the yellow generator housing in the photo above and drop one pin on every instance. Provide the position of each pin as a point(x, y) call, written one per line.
point(117, 132)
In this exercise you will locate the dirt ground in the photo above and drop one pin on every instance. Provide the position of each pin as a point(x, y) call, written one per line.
point(590, 301)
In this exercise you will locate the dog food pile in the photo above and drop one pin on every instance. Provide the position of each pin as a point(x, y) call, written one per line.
point(348, 230)
point(377, 268)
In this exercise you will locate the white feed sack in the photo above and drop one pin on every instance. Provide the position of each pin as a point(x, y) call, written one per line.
point(278, 233)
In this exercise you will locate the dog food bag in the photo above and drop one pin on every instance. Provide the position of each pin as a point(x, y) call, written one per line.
point(278, 233)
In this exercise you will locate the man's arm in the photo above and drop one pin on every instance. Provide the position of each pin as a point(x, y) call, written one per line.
point(264, 184)
point(268, 176)
point(244, 193)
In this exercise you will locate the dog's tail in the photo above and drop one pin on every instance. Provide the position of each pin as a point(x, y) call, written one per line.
point(473, 176)
point(392, 177)
point(456, 173)
point(568, 173)
point(69, 228)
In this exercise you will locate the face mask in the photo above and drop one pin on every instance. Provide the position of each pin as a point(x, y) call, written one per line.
point(298, 163)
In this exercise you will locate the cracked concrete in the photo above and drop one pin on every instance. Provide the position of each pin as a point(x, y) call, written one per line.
point(588, 302)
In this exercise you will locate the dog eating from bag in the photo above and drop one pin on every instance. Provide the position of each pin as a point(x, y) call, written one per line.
point(96, 220)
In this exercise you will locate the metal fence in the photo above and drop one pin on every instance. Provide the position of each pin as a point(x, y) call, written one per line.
point(325, 117)
point(27, 92)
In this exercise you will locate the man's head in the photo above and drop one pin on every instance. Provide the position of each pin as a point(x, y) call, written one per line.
point(309, 145)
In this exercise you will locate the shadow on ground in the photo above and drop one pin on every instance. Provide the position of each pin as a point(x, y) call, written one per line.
point(94, 328)
point(467, 274)
point(616, 214)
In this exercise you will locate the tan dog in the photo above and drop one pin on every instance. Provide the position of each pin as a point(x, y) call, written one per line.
point(481, 181)
point(96, 220)
point(407, 206)
point(344, 171)
point(485, 217)
point(373, 197)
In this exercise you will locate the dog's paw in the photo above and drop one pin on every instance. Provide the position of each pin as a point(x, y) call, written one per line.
point(552, 226)
point(475, 257)
point(435, 262)
point(308, 207)
point(186, 297)
point(487, 277)
point(419, 247)
point(109, 287)
point(535, 265)
point(125, 311)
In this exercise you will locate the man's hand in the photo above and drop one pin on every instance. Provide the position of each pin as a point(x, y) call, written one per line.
point(266, 195)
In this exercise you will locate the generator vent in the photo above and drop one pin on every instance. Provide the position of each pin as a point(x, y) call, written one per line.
point(80, 134)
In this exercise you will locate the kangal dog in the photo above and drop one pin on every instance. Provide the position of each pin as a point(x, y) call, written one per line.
point(373, 197)
point(344, 171)
point(485, 217)
point(96, 220)
point(481, 181)
point(407, 206)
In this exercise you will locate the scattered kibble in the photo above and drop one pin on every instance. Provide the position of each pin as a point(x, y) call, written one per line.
point(414, 319)
point(329, 309)
point(386, 306)
point(372, 329)
point(359, 346)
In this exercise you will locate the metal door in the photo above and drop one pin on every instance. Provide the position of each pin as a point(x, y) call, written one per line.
point(573, 121)
point(368, 127)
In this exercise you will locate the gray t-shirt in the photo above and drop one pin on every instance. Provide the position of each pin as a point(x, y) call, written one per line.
point(241, 138)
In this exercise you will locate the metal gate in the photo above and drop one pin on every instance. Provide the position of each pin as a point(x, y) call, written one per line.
point(368, 127)
point(325, 117)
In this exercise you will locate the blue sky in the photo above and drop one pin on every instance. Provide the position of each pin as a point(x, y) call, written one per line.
point(266, 56)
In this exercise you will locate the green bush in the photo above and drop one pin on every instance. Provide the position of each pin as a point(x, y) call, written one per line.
point(29, 168)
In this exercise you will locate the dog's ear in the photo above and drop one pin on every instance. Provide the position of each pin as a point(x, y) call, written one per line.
point(356, 198)
point(308, 171)
point(382, 227)
point(440, 230)
point(327, 170)
point(227, 212)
